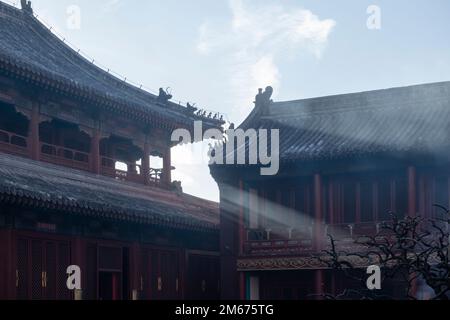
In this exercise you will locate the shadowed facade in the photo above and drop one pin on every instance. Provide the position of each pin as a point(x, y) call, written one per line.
point(77, 184)
point(346, 161)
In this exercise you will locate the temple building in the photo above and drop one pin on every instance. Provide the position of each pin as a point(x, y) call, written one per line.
point(85, 180)
point(346, 161)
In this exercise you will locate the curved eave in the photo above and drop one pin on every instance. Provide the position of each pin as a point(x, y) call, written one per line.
point(22, 199)
point(53, 83)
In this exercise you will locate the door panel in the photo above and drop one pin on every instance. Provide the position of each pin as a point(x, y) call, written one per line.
point(22, 272)
point(145, 281)
point(41, 269)
point(37, 268)
point(203, 277)
point(160, 275)
point(173, 277)
point(156, 276)
point(50, 271)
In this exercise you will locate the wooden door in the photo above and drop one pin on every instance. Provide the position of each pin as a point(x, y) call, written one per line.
point(203, 277)
point(23, 270)
point(146, 280)
point(57, 259)
point(37, 270)
point(160, 278)
point(41, 269)
point(111, 276)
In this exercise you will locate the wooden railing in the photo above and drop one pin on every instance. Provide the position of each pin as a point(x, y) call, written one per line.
point(155, 175)
point(13, 143)
point(64, 156)
point(291, 241)
point(278, 240)
point(278, 247)
point(353, 231)
point(134, 173)
point(19, 145)
point(279, 233)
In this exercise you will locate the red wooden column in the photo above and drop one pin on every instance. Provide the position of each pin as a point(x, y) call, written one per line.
point(412, 191)
point(8, 276)
point(167, 171)
point(183, 258)
point(412, 206)
point(33, 133)
point(146, 162)
point(318, 231)
point(241, 221)
point(241, 238)
point(358, 203)
point(135, 272)
point(95, 152)
point(318, 210)
point(331, 203)
point(318, 284)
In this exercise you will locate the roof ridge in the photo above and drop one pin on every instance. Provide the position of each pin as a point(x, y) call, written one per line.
point(329, 111)
point(280, 110)
point(420, 85)
point(70, 51)
point(358, 101)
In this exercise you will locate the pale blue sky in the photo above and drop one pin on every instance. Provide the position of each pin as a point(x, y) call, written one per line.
point(218, 52)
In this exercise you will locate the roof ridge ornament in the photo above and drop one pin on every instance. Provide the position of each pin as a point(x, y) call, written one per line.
point(26, 6)
point(263, 99)
point(164, 96)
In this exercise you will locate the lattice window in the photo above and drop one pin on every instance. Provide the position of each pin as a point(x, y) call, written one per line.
point(63, 262)
point(50, 270)
point(37, 276)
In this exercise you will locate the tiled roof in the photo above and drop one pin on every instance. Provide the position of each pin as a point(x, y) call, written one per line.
point(45, 185)
point(31, 49)
point(414, 119)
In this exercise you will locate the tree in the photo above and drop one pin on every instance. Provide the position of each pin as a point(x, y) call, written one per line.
point(407, 249)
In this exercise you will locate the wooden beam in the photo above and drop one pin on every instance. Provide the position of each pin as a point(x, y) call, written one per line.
point(167, 171)
point(146, 162)
point(95, 152)
point(358, 203)
point(135, 271)
point(33, 133)
point(241, 221)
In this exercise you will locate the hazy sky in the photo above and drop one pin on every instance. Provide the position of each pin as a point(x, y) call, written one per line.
point(217, 53)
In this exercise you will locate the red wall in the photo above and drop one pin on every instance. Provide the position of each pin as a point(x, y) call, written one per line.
point(110, 269)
